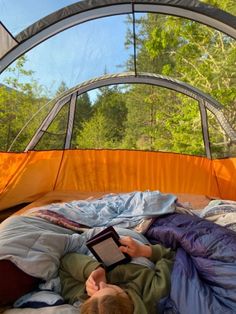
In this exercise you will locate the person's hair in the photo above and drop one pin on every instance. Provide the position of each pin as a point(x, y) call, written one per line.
point(115, 304)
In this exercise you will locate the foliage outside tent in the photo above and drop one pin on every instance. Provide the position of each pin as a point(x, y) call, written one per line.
point(136, 116)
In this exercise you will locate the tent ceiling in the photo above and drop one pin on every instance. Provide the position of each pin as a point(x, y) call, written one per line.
point(83, 11)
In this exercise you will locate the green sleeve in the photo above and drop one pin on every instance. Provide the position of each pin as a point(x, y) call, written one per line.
point(78, 266)
point(160, 282)
point(159, 252)
point(74, 270)
point(149, 284)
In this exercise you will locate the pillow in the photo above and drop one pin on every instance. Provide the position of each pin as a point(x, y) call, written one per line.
point(14, 283)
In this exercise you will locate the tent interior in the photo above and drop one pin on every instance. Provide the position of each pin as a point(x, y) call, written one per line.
point(100, 97)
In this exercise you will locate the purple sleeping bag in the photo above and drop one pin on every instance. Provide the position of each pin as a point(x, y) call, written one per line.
point(203, 280)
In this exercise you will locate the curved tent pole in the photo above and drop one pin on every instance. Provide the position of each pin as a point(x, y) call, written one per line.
point(205, 130)
point(70, 120)
point(83, 11)
point(204, 100)
point(46, 122)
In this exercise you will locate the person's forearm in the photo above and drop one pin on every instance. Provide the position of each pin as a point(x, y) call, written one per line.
point(134, 248)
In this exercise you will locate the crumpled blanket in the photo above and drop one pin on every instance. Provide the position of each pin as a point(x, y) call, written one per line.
point(222, 212)
point(203, 279)
point(124, 210)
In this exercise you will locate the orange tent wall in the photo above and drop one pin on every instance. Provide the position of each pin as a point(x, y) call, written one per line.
point(225, 171)
point(27, 176)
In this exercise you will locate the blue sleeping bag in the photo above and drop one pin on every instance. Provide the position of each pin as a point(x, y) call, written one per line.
point(203, 280)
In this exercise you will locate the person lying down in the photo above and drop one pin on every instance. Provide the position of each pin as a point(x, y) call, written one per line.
point(135, 287)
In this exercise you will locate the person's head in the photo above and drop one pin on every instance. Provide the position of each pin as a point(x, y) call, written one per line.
point(108, 299)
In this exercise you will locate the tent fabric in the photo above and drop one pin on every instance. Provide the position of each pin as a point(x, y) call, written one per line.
point(225, 175)
point(7, 41)
point(27, 176)
point(82, 6)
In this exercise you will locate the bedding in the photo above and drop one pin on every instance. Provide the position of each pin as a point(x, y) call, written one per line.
point(222, 212)
point(123, 210)
point(205, 265)
point(203, 279)
point(192, 201)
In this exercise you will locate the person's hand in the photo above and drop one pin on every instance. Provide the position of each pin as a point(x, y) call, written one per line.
point(95, 278)
point(134, 248)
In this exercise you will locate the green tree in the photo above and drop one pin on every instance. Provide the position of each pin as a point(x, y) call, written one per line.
point(94, 133)
point(191, 52)
point(199, 55)
point(105, 128)
point(83, 113)
point(20, 97)
point(61, 89)
point(156, 124)
point(111, 104)
point(140, 118)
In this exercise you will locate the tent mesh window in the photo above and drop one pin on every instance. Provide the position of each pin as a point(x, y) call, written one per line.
point(54, 136)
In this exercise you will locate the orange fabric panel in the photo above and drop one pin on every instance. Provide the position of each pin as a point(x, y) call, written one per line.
point(120, 170)
point(10, 164)
point(27, 176)
point(225, 170)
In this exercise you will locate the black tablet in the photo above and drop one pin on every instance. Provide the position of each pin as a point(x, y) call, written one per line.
point(105, 247)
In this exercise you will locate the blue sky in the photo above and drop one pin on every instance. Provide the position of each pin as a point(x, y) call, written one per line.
point(77, 54)
point(18, 14)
